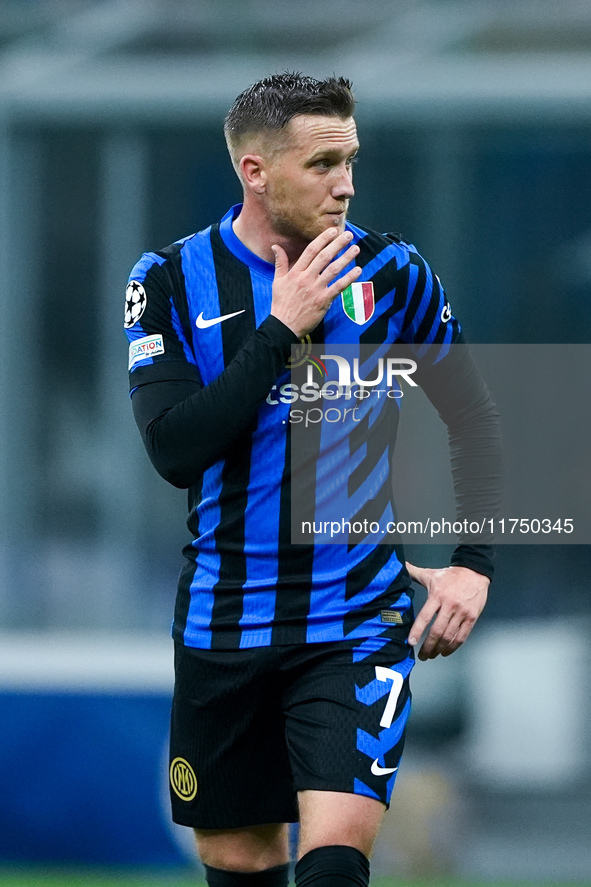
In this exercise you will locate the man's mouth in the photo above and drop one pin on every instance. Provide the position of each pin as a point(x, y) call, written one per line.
point(336, 212)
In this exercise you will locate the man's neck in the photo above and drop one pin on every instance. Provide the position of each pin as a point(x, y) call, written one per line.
point(254, 230)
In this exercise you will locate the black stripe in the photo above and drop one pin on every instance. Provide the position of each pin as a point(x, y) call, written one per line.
point(417, 296)
point(234, 294)
point(295, 562)
point(371, 510)
point(372, 245)
point(183, 601)
point(442, 327)
point(389, 277)
point(317, 335)
point(377, 441)
point(193, 498)
point(183, 597)
point(439, 336)
point(179, 292)
point(432, 310)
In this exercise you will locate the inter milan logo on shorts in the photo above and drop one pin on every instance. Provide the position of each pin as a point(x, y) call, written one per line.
point(183, 779)
point(135, 303)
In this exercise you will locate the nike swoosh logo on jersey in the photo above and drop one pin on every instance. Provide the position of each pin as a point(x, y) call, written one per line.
point(202, 324)
point(381, 771)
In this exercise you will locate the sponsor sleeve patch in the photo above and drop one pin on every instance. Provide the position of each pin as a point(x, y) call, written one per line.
point(144, 348)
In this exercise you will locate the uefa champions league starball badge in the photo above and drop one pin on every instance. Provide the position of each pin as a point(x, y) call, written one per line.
point(135, 303)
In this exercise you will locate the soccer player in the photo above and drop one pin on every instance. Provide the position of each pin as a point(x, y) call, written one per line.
point(292, 661)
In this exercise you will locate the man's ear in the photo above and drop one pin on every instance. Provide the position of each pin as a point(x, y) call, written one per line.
point(254, 173)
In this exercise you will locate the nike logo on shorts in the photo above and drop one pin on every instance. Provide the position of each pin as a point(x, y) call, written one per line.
point(202, 324)
point(381, 771)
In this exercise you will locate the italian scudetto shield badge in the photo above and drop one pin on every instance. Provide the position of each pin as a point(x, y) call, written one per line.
point(358, 301)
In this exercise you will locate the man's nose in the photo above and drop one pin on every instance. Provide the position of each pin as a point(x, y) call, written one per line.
point(343, 184)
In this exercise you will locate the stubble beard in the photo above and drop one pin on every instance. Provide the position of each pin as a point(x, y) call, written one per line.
point(290, 228)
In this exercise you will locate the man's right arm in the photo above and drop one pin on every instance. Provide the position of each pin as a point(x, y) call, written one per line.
point(187, 427)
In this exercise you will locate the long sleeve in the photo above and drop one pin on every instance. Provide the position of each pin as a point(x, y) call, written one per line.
point(186, 426)
point(458, 392)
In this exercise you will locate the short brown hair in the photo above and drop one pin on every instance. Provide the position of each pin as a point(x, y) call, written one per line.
point(270, 104)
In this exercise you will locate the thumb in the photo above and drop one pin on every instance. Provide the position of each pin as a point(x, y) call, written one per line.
point(281, 260)
point(416, 573)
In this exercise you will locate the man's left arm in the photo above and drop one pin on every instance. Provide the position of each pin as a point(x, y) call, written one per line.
point(456, 595)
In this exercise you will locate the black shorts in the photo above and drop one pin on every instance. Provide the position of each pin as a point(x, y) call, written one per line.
point(251, 728)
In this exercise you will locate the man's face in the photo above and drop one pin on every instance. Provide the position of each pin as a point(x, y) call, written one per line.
point(309, 179)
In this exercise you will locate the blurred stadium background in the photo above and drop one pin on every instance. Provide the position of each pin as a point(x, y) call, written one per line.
point(475, 122)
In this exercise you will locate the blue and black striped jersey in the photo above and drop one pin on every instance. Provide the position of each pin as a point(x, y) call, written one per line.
point(197, 313)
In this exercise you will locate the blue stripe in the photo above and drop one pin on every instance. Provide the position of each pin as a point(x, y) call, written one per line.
point(198, 265)
point(137, 332)
point(141, 268)
point(256, 637)
point(388, 738)
point(261, 527)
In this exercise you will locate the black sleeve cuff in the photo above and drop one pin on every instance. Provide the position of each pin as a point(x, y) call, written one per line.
point(479, 558)
point(279, 331)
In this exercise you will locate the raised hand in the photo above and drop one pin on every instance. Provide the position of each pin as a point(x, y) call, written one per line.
point(303, 293)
